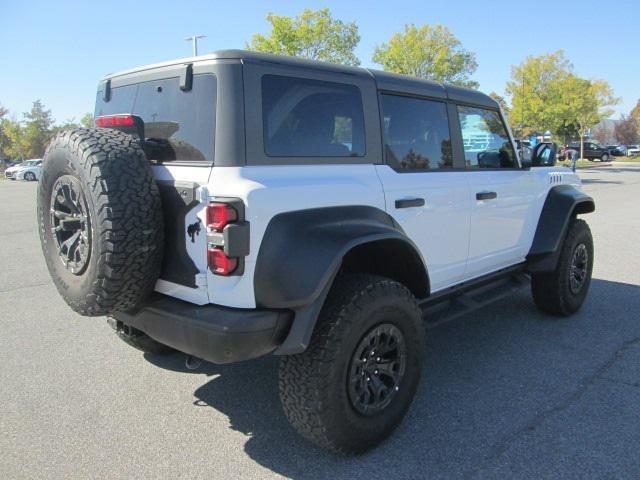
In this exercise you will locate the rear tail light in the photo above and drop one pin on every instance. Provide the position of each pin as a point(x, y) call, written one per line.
point(108, 121)
point(219, 263)
point(227, 237)
point(219, 215)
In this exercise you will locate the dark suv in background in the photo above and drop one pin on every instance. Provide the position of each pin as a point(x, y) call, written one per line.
point(592, 151)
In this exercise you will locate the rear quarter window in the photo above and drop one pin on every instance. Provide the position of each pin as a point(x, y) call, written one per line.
point(178, 125)
point(311, 118)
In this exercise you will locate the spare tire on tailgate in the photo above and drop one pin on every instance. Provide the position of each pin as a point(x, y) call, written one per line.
point(100, 220)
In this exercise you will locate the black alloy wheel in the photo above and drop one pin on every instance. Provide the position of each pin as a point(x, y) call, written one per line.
point(377, 368)
point(71, 224)
point(579, 268)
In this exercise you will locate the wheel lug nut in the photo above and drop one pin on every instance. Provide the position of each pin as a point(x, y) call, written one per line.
point(378, 359)
point(375, 372)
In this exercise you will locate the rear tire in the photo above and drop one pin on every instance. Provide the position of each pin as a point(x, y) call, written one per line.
point(100, 220)
point(29, 177)
point(563, 291)
point(340, 393)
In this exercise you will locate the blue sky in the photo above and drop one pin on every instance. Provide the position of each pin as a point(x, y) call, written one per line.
point(58, 50)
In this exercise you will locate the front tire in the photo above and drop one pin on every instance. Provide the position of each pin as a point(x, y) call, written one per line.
point(563, 291)
point(355, 382)
point(604, 157)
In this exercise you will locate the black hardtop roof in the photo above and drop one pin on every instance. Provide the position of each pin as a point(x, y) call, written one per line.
point(384, 80)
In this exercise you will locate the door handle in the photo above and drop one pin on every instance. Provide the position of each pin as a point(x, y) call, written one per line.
point(486, 195)
point(410, 202)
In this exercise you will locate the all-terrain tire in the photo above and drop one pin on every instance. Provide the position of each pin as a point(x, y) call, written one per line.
point(103, 181)
point(553, 292)
point(314, 385)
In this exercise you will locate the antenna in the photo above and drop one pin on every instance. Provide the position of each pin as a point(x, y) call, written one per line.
point(194, 40)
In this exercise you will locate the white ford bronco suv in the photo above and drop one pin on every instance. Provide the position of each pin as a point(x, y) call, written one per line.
point(238, 204)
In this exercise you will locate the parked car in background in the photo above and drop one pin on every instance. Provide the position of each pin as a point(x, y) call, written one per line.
point(618, 150)
point(592, 151)
point(9, 172)
point(633, 150)
point(29, 170)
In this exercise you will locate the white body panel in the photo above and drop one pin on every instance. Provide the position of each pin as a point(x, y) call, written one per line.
point(440, 228)
point(459, 237)
point(502, 229)
point(269, 190)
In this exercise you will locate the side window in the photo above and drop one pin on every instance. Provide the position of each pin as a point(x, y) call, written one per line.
point(311, 118)
point(485, 139)
point(416, 134)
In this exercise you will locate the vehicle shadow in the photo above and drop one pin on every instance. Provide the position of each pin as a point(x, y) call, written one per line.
point(489, 376)
point(611, 169)
point(589, 181)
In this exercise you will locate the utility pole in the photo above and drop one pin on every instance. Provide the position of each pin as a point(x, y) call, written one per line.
point(194, 41)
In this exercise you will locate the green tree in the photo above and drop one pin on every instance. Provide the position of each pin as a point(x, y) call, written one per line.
point(635, 112)
point(313, 34)
point(15, 146)
point(37, 130)
point(431, 52)
point(588, 102)
point(4, 141)
point(87, 120)
point(536, 91)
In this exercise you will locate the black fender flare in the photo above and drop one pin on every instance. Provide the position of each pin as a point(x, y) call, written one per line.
point(563, 202)
point(301, 253)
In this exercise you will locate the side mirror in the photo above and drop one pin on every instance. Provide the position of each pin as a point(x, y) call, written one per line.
point(544, 155)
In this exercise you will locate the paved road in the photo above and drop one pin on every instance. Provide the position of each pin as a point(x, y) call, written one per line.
point(507, 392)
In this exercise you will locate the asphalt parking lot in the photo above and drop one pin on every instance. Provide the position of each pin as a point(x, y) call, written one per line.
point(507, 392)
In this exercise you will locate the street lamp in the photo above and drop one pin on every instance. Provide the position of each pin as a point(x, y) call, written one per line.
point(194, 40)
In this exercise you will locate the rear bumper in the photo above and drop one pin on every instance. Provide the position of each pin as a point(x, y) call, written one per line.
point(211, 332)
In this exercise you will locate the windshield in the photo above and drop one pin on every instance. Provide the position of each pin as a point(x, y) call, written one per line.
point(30, 163)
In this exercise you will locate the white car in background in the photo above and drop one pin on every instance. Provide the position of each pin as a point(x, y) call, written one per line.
point(10, 172)
point(29, 170)
point(633, 150)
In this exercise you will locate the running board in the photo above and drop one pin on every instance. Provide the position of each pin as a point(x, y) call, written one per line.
point(452, 304)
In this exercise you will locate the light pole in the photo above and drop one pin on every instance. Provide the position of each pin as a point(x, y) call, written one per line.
point(194, 40)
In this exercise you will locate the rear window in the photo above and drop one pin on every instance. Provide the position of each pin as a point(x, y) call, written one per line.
point(178, 125)
point(311, 118)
